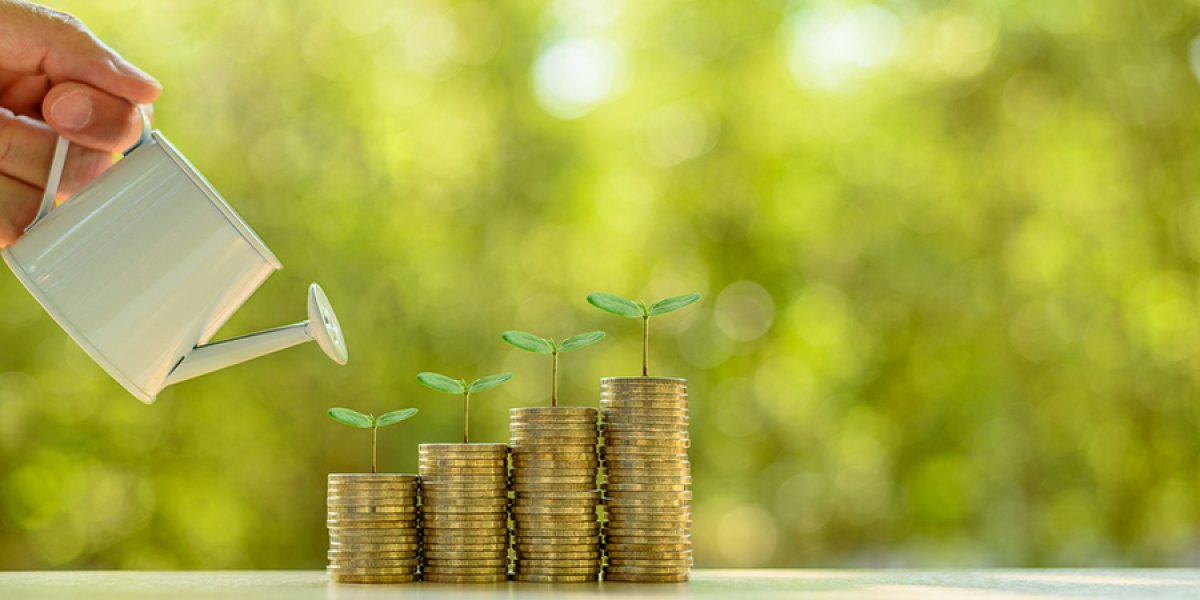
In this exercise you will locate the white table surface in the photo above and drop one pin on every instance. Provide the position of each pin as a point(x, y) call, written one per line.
point(749, 584)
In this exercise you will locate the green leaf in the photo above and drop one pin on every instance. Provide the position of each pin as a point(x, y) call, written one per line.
point(617, 305)
point(581, 340)
point(528, 342)
point(351, 417)
point(489, 382)
point(391, 418)
point(441, 383)
point(671, 304)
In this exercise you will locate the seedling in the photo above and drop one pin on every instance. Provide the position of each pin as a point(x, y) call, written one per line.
point(539, 345)
point(450, 385)
point(636, 309)
point(354, 418)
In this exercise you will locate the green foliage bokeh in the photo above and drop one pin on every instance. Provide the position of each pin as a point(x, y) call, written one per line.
point(948, 252)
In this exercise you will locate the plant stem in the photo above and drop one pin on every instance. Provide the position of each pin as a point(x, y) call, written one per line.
point(466, 414)
point(554, 382)
point(645, 346)
point(374, 446)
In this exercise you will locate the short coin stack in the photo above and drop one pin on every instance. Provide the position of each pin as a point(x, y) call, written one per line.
point(556, 528)
point(464, 492)
point(373, 531)
point(647, 534)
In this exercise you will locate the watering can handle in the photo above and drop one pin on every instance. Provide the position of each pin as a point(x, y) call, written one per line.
point(60, 160)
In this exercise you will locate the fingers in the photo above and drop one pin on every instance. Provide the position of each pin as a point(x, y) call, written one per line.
point(19, 203)
point(36, 40)
point(91, 117)
point(27, 146)
point(24, 95)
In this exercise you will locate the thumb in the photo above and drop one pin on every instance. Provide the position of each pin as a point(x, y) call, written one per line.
point(38, 41)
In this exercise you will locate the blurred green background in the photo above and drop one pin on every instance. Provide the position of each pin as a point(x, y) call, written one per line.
point(948, 251)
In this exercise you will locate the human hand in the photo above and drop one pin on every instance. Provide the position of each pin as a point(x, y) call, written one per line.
point(56, 78)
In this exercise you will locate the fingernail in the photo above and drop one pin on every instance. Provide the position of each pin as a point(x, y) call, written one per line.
point(129, 69)
point(72, 112)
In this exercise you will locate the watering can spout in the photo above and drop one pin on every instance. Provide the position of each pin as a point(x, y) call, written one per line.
point(322, 326)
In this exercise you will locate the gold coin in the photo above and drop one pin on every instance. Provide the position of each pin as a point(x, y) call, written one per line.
point(337, 578)
point(643, 487)
point(356, 518)
point(459, 487)
point(374, 563)
point(339, 554)
point(497, 561)
point(653, 555)
point(388, 477)
point(444, 541)
point(582, 542)
point(369, 502)
point(574, 425)
point(467, 554)
point(643, 452)
point(548, 411)
point(491, 549)
point(617, 495)
point(562, 442)
point(564, 555)
point(548, 454)
point(555, 471)
point(669, 564)
point(465, 447)
point(651, 478)
point(394, 509)
point(574, 478)
point(628, 578)
point(578, 437)
point(613, 441)
point(613, 400)
point(652, 462)
point(645, 525)
point(354, 540)
point(365, 495)
point(647, 503)
point(649, 536)
point(540, 578)
point(466, 528)
point(557, 486)
point(370, 570)
point(551, 543)
point(593, 547)
point(589, 495)
point(658, 543)
point(339, 523)
point(492, 514)
point(524, 564)
point(644, 570)
point(448, 578)
point(474, 469)
point(588, 571)
point(619, 547)
point(618, 510)
point(481, 570)
point(554, 510)
point(554, 521)
point(662, 416)
point(451, 463)
point(538, 532)
point(467, 500)
point(644, 429)
point(644, 380)
point(580, 502)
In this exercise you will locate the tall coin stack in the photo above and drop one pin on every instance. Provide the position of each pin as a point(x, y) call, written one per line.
point(464, 491)
point(373, 531)
point(556, 528)
point(647, 501)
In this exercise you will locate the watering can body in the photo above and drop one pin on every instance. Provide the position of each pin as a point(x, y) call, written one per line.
point(146, 263)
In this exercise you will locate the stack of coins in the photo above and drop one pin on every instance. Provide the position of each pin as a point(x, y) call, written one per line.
point(647, 532)
point(373, 528)
point(556, 532)
point(464, 492)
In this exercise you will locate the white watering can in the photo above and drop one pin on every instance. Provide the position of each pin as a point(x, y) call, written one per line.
point(146, 263)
